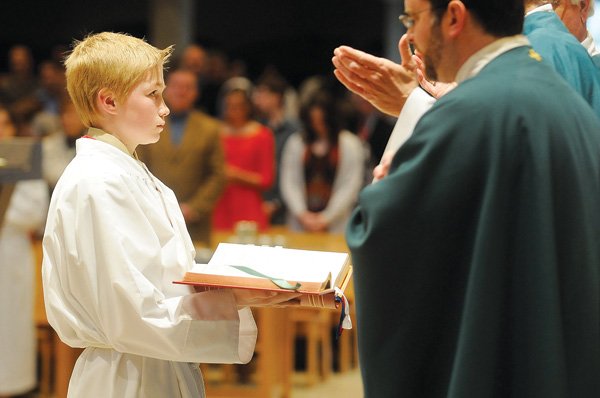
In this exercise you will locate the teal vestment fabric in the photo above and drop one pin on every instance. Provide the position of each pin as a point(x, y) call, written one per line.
point(561, 50)
point(477, 258)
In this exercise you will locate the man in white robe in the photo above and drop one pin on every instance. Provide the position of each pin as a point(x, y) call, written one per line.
point(25, 214)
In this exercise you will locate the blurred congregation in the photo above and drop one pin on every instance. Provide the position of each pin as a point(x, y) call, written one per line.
point(239, 150)
point(234, 149)
point(254, 153)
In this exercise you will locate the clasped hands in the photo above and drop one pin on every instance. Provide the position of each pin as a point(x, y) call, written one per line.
point(313, 221)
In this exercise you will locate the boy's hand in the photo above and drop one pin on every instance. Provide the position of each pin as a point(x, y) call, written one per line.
point(262, 298)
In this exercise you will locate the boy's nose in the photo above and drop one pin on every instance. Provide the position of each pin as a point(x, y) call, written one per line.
point(164, 111)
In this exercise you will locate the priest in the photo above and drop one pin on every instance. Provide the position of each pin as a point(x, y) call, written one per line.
point(477, 258)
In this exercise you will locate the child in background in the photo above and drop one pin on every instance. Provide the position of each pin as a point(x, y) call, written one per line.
point(115, 240)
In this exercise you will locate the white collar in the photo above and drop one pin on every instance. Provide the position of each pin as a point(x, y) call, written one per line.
point(108, 138)
point(545, 7)
point(589, 45)
point(481, 58)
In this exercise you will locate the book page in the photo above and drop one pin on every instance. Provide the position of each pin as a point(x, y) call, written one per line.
point(276, 262)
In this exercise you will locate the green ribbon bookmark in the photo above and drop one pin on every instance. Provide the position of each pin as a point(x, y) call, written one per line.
point(279, 282)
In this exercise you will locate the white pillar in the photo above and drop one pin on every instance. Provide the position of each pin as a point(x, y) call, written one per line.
point(171, 22)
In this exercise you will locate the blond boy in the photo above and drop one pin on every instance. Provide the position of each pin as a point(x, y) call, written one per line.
point(115, 240)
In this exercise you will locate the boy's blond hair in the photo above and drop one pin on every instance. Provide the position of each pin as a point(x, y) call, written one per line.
point(115, 61)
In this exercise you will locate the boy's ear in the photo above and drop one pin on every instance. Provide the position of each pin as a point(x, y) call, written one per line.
point(106, 101)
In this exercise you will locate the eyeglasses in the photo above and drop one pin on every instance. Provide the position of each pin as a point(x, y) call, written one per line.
point(408, 20)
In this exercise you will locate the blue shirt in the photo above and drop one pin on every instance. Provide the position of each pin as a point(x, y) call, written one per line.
point(177, 124)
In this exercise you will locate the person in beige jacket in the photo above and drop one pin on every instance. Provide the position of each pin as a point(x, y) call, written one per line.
point(189, 157)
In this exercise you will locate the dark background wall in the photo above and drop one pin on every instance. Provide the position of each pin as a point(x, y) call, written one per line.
point(43, 24)
point(296, 36)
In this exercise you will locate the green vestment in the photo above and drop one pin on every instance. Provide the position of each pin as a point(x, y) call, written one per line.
point(477, 259)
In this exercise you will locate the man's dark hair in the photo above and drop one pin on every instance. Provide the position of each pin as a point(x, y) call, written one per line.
point(498, 17)
point(273, 83)
point(325, 101)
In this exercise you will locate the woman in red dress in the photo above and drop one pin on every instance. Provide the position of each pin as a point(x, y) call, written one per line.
point(250, 164)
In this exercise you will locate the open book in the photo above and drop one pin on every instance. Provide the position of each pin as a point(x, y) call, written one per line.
point(315, 274)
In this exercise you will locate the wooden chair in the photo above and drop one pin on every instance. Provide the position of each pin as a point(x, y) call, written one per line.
point(347, 348)
point(314, 324)
point(279, 328)
point(270, 377)
point(347, 344)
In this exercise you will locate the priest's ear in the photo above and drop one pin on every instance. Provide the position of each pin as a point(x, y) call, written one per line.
point(456, 16)
point(106, 102)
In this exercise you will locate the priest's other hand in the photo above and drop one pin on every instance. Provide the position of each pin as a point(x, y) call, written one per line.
point(435, 89)
point(381, 170)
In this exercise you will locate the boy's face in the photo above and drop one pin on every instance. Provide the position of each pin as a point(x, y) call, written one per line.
point(141, 118)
